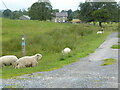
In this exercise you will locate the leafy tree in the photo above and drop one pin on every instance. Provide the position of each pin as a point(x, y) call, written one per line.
point(24, 12)
point(63, 11)
point(70, 14)
point(70, 17)
point(76, 14)
point(86, 10)
point(1, 13)
point(41, 11)
point(113, 10)
point(56, 10)
point(101, 15)
point(8, 14)
point(16, 14)
point(89, 11)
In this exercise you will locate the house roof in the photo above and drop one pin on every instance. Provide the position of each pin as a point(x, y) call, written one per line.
point(76, 20)
point(61, 14)
point(26, 16)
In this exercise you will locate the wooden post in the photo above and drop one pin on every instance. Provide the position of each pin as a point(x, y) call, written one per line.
point(23, 45)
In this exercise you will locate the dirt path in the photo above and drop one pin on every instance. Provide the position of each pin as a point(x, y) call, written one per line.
point(86, 73)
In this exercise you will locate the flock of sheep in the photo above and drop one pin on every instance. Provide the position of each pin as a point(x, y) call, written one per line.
point(26, 61)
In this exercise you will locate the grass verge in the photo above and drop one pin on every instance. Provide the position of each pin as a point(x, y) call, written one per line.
point(109, 61)
point(116, 47)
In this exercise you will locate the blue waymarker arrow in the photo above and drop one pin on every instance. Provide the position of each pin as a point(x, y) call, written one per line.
point(23, 43)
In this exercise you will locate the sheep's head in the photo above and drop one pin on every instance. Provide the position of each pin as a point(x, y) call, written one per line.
point(39, 56)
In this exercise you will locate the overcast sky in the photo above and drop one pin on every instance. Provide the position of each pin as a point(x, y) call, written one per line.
point(57, 4)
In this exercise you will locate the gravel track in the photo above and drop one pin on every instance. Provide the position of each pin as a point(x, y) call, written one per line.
point(85, 73)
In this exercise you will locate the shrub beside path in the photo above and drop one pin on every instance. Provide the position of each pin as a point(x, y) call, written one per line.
point(85, 73)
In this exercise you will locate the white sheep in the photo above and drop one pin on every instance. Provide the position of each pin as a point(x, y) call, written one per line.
point(28, 61)
point(8, 60)
point(100, 32)
point(1, 64)
point(66, 51)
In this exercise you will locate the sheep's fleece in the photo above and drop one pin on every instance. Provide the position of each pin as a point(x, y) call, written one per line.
point(28, 61)
point(7, 60)
point(66, 51)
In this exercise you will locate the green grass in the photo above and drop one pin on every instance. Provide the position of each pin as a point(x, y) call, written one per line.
point(109, 61)
point(118, 35)
point(116, 47)
point(49, 39)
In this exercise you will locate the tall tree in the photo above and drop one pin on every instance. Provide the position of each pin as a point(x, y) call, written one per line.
point(101, 15)
point(16, 14)
point(40, 11)
point(76, 14)
point(70, 14)
point(89, 11)
point(8, 14)
point(63, 11)
point(56, 10)
point(86, 10)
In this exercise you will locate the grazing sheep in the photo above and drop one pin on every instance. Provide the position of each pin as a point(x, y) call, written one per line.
point(7, 60)
point(100, 31)
point(1, 65)
point(28, 61)
point(66, 51)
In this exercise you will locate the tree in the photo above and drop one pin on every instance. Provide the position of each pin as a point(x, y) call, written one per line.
point(41, 11)
point(8, 14)
point(101, 15)
point(24, 12)
point(56, 10)
point(70, 14)
point(1, 13)
point(16, 14)
point(63, 11)
point(113, 10)
point(70, 17)
point(76, 14)
point(86, 11)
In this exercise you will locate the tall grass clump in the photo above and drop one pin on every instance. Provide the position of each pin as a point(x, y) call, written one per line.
point(49, 39)
point(109, 61)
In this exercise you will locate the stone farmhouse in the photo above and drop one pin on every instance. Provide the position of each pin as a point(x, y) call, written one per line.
point(61, 17)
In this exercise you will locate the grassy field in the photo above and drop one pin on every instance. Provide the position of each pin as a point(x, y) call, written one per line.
point(49, 39)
